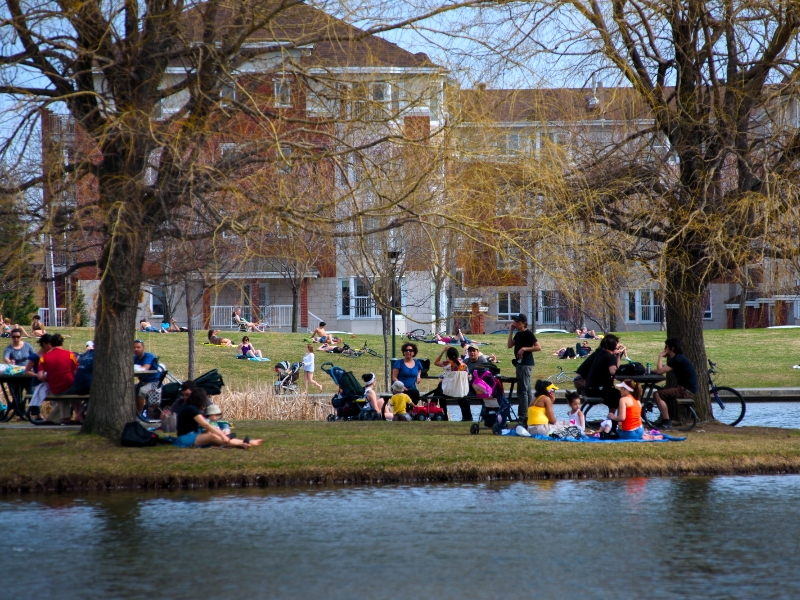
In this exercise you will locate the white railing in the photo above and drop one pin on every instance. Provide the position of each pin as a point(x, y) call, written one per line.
point(549, 314)
point(44, 316)
point(278, 315)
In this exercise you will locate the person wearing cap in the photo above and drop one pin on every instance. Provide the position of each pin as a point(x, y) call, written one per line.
point(525, 344)
point(629, 412)
point(378, 404)
point(400, 402)
point(540, 415)
point(194, 431)
point(214, 414)
point(83, 376)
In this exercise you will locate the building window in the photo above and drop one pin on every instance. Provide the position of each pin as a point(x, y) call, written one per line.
point(227, 92)
point(284, 160)
point(507, 305)
point(283, 94)
point(549, 306)
point(344, 298)
point(707, 314)
point(508, 258)
point(644, 306)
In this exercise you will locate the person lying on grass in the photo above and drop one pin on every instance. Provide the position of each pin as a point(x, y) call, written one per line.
point(213, 338)
point(194, 431)
point(629, 413)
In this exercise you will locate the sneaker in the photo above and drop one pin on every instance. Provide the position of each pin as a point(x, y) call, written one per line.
point(665, 425)
point(796, 366)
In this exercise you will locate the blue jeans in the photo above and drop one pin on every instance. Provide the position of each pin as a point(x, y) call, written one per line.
point(524, 391)
point(633, 434)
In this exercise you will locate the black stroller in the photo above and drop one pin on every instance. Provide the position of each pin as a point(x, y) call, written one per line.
point(349, 402)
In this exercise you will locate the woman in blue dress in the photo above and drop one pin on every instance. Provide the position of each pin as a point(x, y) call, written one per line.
point(408, 370)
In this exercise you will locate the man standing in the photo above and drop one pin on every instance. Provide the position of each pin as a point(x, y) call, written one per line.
point(146, 362)
point(685, 373)
point(525, 344)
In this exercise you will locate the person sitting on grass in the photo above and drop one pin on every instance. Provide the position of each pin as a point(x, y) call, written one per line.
point(541, 417)
point(629, 413)
point(400, 401)
point(376, 402)
point(194, 431)
point(37, 329)
point(214, 416)
point(582, 349)
point(321, 336)
point(247, 349)
point(575, 415)
point(215, 340)
point(7, 327)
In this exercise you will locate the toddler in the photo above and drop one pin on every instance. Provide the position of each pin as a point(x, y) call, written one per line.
point(400, 401)
point(575, 415)
point(214, 414)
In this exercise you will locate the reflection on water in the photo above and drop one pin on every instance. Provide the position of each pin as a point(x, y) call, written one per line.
point(723, 537)
point(761, 414)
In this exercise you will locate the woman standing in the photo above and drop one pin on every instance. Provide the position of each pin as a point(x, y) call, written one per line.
point(408, 370)
point(309, 367)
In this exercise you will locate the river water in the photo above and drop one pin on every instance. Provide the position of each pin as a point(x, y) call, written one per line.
point(720, 537)
point(761, 414)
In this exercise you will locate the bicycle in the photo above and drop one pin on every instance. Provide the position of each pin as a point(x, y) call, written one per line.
point(727, 405)
point(358, 352)
point(562, 376)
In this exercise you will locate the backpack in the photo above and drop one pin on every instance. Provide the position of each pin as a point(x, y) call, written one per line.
point(136, 436)
point(632, 368)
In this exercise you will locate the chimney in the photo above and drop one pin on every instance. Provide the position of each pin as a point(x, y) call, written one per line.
point(593, 102)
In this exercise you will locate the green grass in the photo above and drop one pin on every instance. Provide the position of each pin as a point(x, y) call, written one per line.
point(370, 452)
point(749, 358)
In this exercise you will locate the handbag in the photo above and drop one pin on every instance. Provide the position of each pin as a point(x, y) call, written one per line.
point(455, 384)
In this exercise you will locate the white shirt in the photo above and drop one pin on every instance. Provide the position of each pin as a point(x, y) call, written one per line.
point(308, 362)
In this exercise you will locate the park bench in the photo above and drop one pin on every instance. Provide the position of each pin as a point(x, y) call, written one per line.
point(52, 398)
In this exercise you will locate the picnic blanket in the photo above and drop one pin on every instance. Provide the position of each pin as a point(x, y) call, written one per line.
point(593, 440)
point(253, 358)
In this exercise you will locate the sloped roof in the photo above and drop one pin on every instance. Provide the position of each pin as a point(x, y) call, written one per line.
point(335, 43)
point(551, 104)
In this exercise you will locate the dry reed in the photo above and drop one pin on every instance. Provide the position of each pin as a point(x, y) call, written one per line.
point(261, 403)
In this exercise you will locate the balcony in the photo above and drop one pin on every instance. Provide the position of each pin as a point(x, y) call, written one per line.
point(277, 315)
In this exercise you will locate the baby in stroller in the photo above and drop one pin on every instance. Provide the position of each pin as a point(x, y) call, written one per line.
point(496, 409)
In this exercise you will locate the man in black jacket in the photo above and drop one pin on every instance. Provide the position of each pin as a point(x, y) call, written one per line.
point(525, 344)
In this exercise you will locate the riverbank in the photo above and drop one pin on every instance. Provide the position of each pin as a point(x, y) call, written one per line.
point(303, 453)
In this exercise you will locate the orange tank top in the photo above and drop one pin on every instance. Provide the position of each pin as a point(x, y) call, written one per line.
point(633, 417)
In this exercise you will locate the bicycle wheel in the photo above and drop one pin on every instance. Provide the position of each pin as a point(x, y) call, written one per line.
point(372, 352)
point(727, 406)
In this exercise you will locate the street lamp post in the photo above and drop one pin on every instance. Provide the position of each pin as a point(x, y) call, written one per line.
point(393, 255)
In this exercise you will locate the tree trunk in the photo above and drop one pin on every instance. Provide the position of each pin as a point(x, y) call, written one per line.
point(295, 307)
point(111, 400)
point(386, 366)
point(741, 317)
point(191, 350)
point(684, 306)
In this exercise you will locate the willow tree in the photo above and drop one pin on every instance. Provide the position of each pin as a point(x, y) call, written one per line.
point(166, 116)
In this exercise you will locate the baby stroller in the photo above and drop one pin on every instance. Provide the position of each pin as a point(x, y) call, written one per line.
point(349, 402)
point(496, 409)
point(287, 374)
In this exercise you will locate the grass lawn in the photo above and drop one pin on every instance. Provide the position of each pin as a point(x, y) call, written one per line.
point(745, 358)
point(370, 452)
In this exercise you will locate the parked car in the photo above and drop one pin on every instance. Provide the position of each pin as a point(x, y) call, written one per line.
point(538, 331)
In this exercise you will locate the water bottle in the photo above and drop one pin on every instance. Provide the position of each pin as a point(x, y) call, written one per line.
point(649, 367)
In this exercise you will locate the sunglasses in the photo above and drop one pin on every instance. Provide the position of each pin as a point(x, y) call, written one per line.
point(408, 350)
point(138, 342)
point(16, 337)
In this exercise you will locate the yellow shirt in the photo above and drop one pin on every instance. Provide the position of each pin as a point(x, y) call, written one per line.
point(399, 403)
point(537, 415)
